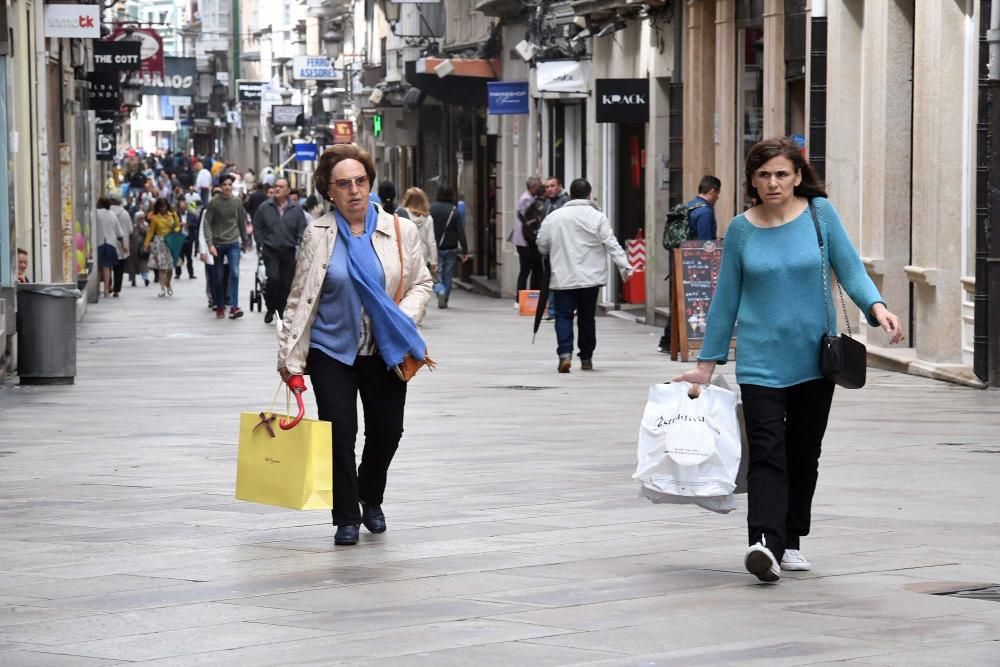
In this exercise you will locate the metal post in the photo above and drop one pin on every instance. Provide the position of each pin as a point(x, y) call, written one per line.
point(817, 90)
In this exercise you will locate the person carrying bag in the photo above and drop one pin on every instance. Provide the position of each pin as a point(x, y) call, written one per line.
point(360, 289)
point(773, 278)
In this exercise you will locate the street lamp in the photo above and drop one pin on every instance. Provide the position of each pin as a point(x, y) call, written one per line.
point(329, 99)
point(131, 96)
point(332, 39)
point(392, 11)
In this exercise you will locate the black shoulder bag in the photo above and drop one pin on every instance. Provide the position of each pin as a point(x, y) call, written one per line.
point(842, 360)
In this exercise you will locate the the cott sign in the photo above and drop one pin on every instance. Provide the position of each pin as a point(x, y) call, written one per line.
point(81, 21)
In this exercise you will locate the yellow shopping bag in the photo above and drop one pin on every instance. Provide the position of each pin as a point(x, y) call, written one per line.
point(291, 468)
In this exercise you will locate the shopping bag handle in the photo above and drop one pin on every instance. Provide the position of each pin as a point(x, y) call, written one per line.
point(289, 425)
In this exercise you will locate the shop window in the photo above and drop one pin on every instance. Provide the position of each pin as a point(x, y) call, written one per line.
point(749, 95)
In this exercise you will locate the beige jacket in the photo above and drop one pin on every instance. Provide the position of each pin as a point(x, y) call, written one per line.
point(310, 271)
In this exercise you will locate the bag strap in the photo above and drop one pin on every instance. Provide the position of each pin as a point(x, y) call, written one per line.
point(399, 247)
point(447, 223)
point(826, 281)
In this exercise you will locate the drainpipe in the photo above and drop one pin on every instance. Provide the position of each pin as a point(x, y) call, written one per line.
point(817, 88)
point(986, 338)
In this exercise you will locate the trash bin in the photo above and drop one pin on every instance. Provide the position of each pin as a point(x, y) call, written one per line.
point(46, 333)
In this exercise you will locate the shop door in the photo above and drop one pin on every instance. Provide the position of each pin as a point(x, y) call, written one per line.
point(630, 208)
point(486, 248)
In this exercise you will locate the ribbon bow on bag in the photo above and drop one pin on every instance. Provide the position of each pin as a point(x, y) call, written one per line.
point(266, 421)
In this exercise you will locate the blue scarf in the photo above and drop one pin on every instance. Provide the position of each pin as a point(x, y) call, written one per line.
point(395, 333)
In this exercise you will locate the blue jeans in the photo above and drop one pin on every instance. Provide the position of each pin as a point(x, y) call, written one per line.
point(582, 301)
point(230, 251)
point(446, 269)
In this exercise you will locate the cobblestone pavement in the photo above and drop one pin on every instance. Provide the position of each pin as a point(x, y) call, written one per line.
point(515, 532)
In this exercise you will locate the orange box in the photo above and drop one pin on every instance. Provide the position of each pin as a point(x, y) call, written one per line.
point(527, 301)
point(634, 289)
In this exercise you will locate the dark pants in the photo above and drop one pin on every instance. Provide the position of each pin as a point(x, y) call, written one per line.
point(118, 273)
point(210, 276)
point(785, 429)
point(582, 301)
point(186, 255)
point(383, 396)
point(280, 267)
point(529, 265)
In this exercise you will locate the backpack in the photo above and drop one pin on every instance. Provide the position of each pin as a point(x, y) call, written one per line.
point(677, 229)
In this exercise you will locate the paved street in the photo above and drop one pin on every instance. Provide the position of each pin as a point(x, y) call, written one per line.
point(516, 536)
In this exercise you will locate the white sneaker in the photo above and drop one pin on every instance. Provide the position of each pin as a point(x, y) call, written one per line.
point(759, 562)
point(794, 561)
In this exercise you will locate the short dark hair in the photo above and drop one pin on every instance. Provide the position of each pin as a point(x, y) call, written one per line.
point(334, 155)
point(22, 251)
point(103, 202)
point(709, 183)
point(579, 189)
point(445, 193)
point(226, 177)
point(310, 202)
point(768, 149)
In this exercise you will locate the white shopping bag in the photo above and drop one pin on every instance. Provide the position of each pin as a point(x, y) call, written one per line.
point(688, 446)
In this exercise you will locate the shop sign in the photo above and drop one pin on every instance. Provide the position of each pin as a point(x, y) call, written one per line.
point(317, 68)
point(179, 100)
point(150, 47)
point(561, 76)
point(249, 92)
point(104, 93)
point(507, 97)
point(80, 21)
point(622, 100)
point(306, 152)
point(116, 56)
point(106, 142)
point(179, 79)
point(286, 114)
point(343, 132)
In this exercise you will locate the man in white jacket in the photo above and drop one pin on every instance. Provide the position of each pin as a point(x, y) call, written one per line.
point(578, 238)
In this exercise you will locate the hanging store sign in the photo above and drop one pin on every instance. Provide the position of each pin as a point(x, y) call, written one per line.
point(150, 47)
point(507, 97)
point(117, 56)
point(622, 100)
point(306, 152)
point(105, 91)
point(249, 92)
point(317, 68)
point(561, 76)
point(106, 142)
point(286, 114)
point(343, 132)
point(80, 21)
point(180, 78)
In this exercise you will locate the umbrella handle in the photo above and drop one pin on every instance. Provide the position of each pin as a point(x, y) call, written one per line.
point(289, 425)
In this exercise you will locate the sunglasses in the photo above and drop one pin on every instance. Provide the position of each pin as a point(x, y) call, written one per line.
point(345, 183)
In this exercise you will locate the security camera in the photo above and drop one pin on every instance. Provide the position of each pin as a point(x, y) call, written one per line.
point(525, 50)
point(376, 96)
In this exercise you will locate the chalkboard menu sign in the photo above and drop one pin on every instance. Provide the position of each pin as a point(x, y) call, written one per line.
point(696, 272)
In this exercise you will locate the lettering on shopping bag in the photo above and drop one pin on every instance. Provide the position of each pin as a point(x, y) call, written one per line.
point(268, 459)
point(662, 422)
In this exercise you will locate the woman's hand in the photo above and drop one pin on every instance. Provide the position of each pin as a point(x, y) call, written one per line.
point(888, 322)
point(700, 374)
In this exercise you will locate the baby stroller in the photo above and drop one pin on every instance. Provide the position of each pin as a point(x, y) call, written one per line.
point(259, 283)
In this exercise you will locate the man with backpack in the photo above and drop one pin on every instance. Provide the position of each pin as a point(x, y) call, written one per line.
point(693, 221)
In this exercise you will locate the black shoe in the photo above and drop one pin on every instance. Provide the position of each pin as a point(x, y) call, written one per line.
point(268, 317)
point(347, 535)
point(586, 364)
point(373, 518)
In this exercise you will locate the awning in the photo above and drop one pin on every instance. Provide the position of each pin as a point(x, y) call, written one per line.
point(464, 83)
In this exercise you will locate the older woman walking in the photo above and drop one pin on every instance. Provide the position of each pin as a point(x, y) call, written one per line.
point(772, 280)
point(360, 288)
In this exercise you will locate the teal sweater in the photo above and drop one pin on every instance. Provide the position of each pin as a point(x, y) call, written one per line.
point(771, 281)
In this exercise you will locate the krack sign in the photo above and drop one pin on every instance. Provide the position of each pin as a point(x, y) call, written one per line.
point(116, 56)
point(622, 100)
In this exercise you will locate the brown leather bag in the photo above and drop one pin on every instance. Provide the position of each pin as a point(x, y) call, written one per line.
point(409, 366)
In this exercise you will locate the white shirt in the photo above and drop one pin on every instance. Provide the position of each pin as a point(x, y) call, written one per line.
point(578, 239)
point(204, 179)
